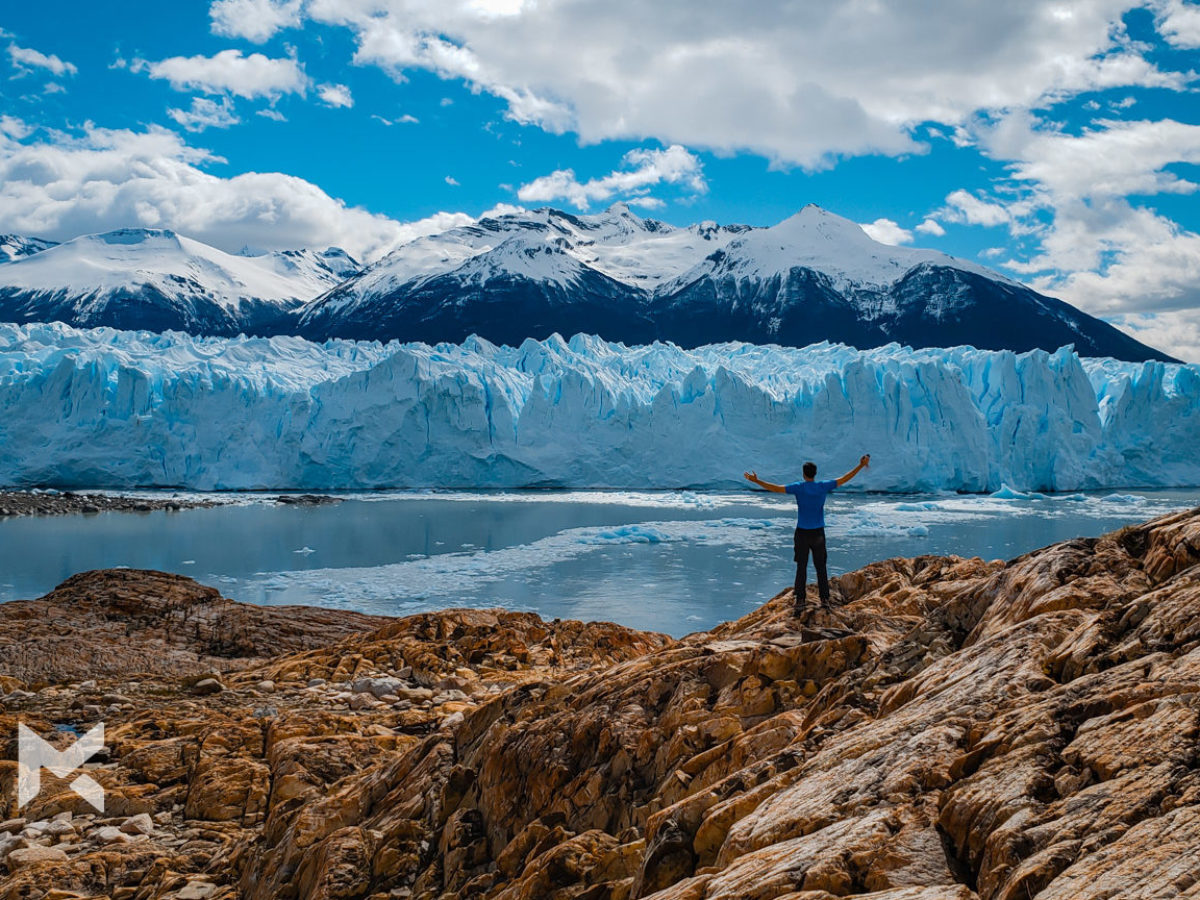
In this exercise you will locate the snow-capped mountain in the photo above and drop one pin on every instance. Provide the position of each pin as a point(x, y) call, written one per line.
point(155, 279)
point(815, 276)
point(513, 276)
point(16, 246)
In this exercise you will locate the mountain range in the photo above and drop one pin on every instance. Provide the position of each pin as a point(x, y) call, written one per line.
point(814, 276)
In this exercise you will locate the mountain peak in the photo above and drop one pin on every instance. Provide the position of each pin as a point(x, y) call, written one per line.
point(811, 216)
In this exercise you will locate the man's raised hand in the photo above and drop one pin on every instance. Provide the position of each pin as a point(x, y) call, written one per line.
point(751, 476)
point(865, 461)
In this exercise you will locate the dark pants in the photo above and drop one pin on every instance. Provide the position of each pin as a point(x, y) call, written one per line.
point(811, 539)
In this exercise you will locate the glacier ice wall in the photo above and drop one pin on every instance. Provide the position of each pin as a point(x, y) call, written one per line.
point(105, 408)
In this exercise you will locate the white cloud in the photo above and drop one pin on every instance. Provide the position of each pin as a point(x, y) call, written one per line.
point(335, 95)
point(271, 113)
point(12, 127)
point(452, 181)
point(205, 113)
point(1109, 257)
point(405, 119)
point(254, 20)
point(887, 232)
point(53, 87)
point(646, 168)
point(28, 58)
point(966, 207)
point(1093, 246)
point(1175, 333)
point(798, 81)
point(1179, 23)
point(930, 226)
point(1110, 158)
point(102, 179)
point(229, 72)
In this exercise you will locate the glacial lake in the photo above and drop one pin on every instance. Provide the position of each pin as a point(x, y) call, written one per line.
point(674, 561)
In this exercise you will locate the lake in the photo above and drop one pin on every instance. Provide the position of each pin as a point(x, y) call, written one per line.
point(673, 561)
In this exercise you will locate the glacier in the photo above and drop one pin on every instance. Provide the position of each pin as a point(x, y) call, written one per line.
point(118, 409)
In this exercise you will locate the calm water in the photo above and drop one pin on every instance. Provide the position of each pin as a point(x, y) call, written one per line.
point(673, 562)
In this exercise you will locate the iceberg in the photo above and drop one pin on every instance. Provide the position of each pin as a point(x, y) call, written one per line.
point(118, 409)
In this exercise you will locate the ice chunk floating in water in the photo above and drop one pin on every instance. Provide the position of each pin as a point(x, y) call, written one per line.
point(119, 409)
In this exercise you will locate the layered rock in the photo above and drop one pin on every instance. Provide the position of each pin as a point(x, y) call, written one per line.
point(134, 621)
point(954, 729)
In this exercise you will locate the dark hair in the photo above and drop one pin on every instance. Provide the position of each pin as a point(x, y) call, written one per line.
point(810, 470)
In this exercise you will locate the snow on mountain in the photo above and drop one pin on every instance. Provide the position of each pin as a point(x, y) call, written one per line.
point(815, 276)
point(15, 246)
point(119, 409)
point(154, 278)
point(817, 239)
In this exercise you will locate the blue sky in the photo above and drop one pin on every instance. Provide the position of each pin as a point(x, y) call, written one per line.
point(1057, 142)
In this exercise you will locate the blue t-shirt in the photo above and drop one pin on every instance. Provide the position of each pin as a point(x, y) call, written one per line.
point(810, 501)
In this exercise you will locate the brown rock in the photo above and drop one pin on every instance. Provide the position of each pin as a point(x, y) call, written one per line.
point(955, 730)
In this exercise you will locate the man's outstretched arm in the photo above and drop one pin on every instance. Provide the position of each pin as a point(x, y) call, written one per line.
point(776, 488)
point(862, 464)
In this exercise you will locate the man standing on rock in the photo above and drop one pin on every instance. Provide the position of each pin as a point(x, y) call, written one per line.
point(810, 497)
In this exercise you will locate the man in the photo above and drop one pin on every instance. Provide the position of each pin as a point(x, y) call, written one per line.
point(810, 497)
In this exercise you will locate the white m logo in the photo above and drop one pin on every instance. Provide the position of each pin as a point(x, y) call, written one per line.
point(34, 754)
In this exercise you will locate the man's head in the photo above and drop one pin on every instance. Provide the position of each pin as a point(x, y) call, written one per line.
point(810, 471)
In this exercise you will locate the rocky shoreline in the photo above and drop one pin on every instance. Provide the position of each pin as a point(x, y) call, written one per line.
point(61, 503)
point(954, 729)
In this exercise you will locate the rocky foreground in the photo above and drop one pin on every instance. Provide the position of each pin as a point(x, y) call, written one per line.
point(957, 729)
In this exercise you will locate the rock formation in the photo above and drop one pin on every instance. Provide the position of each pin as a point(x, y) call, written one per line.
point(955, 729)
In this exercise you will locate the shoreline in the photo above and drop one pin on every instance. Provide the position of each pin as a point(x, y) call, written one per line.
point(50, 502)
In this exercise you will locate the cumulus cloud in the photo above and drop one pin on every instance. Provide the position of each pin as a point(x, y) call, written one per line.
point(798, 82)
point(1093, 246)
point(1109, 158)
point(1179, 23)
point(1176, 333)
point(254, 20)
point(27, 58)
point(930, 226)
point(644, 169)
point(335, 95)
point(964, 206)
point(101, 179)
point(205, 113)
point(229, 72)
point(887, 232)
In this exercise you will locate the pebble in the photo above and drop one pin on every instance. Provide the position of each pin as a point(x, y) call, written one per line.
point(9, 826)
point(31, 856)
point(208, 686)
point(139, 824)
point(196, 890)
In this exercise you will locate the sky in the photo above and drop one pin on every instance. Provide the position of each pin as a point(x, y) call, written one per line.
point(1056, 142)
